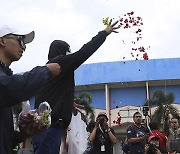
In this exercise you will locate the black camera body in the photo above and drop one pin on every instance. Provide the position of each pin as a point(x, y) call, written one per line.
point(102, 119)
point(145, 110)
point(152, 148)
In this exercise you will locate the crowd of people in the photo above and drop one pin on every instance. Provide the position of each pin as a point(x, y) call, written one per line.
point(150, 138)
point(54, 83)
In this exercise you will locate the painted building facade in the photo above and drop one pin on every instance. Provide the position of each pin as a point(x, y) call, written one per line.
point(125, 86)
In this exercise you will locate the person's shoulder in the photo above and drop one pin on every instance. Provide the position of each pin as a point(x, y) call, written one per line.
point(178, 130)
point(130, 127)
point(143, 127)
point(161, 133)
point(171, 131)
point(2, 73)
point(56, 59)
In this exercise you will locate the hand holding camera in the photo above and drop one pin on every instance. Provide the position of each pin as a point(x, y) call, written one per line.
point(151, 148)
point(97, 123)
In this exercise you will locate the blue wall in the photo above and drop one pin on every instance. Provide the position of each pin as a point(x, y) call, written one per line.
point(128, 96)
point(131, 71)
point(175, 89)
point(98, 98)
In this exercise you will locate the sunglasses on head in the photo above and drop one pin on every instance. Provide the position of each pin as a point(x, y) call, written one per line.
point(19, 38)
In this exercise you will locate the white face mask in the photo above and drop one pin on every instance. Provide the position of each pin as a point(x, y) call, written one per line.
point(69, 51)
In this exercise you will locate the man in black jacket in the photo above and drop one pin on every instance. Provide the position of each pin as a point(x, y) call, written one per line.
point(59, 92)
point(17, 88)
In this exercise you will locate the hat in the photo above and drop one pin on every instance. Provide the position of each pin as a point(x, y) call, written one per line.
point(28, 37)
point(153, 136)
point(102, 114)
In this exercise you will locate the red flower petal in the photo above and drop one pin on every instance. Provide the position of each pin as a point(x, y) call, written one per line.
point(145, 56)
point(139, 18)
point(141, 49)
point(126, 21)
point(134, 49)
point(113, 101)
point(121, 19)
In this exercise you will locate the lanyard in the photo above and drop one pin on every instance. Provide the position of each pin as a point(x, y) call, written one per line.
point(103, 138)
point(101, 129)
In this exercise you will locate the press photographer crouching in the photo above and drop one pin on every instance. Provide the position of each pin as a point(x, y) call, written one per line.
point(153, 146)
point(102, 136)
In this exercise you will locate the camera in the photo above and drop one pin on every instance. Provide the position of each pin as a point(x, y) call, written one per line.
point(145, 110)
point(152, 148)
point(102, 119)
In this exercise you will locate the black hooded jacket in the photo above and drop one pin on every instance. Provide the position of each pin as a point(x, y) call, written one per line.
point(59, 91)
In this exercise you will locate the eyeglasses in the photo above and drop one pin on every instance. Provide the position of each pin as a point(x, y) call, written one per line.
point(20, 40)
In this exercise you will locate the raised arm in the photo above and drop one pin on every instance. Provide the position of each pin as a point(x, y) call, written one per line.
point(73, 61)
point(16, 88)
point(93, 133)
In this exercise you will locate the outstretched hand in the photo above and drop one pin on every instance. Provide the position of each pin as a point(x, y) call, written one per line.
point(111, 27)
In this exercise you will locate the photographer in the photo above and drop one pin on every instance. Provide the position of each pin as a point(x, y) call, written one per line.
point(102, 136)
point(137, 135)
point(153, 146)
point(162, 138)
point(173, 133)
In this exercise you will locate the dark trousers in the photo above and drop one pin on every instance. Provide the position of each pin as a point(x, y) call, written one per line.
point(48, 142)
